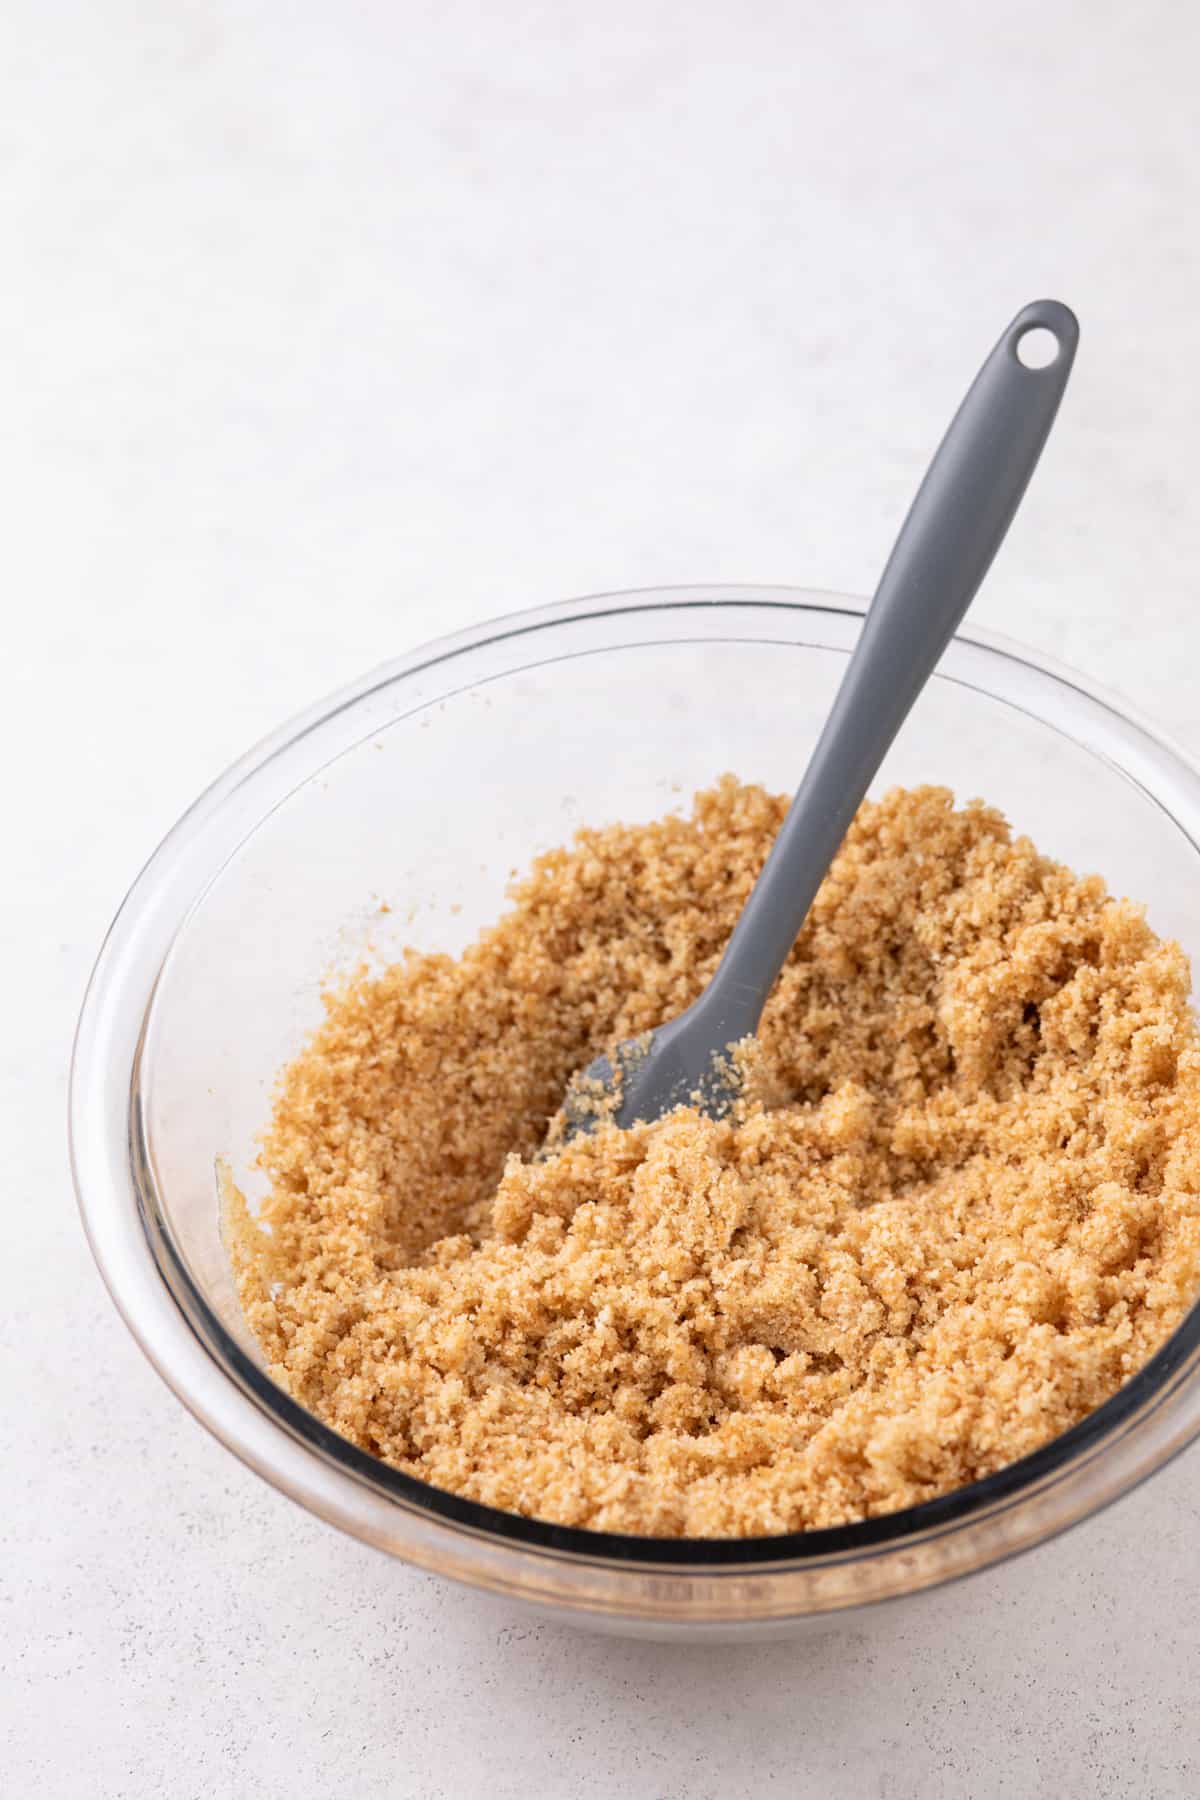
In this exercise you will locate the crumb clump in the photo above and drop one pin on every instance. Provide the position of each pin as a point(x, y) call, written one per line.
point(956, 1208)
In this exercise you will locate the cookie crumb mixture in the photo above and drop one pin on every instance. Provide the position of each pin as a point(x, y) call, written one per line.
point(957, 1207)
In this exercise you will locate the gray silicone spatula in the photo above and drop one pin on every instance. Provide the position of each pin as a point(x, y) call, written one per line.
point(956, 524)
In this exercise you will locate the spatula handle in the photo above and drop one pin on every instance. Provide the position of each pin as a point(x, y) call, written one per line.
point(955, 526)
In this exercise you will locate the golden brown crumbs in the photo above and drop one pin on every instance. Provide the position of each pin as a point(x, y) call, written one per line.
point(957, 1208)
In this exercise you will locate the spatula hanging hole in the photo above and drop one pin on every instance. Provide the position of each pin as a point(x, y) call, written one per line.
point(1037, 348)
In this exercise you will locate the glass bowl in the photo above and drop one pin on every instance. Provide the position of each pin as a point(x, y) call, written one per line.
point(423, 786)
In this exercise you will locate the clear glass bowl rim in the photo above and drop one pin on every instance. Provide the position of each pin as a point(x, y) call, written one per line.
point(185, 1341)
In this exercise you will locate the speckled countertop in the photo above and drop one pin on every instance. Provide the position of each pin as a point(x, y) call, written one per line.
point(329, 329)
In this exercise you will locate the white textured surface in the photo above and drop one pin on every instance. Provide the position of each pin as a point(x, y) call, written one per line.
point(328, 328)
